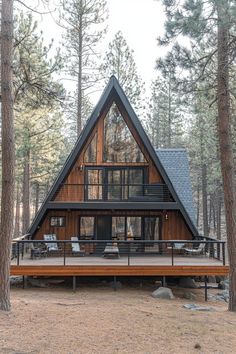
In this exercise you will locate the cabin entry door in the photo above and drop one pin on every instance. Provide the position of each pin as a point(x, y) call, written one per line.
point(103, 228)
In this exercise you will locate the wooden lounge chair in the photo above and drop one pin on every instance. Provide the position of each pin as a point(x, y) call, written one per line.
point(111, 251)
point(195, 251)
point(52, 247)
point(76, 251)
point(39, 251)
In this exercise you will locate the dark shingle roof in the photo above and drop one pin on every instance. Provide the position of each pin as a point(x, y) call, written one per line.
point(175, 162)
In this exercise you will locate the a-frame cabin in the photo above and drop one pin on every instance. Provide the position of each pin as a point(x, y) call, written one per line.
point(115, 186)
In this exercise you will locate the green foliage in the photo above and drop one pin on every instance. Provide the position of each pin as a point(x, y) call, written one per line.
point(119, 61)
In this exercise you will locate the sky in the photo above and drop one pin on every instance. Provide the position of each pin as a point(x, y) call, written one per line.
point(140, 21)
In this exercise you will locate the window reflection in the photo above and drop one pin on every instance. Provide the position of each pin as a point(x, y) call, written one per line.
point(87, 226)
point(90, 154)
point(118, 228)
point(134, 229)
point(94, 184)
point(119, 144)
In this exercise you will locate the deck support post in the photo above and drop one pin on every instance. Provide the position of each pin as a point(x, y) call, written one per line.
point(74, 283)
point(115, 284)
point(23, 281)
point(205, 281)
point(164, 281)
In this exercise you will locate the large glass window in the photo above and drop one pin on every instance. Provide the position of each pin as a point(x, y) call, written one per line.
point(94, 178)
point(119, 144)
point(90, 154)
point(114, 187)
point(151, 228)
point(136, 182)
point(118, 227)
point(87, 226)
point(134, 227)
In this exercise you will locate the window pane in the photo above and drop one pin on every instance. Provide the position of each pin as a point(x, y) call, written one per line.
point(90, 154)
point(119, 144)
point(114, 184)
point(136, 181)
point(95, 184)
point(134, 230)
point(87, 226)
point(118, 227)
point(57, 221)
point(152, 229)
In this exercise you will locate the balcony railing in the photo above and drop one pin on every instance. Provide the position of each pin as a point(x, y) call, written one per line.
point(132, 252)
point(114, 192)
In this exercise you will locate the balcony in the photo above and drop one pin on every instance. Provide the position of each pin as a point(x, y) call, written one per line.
point(114, 193)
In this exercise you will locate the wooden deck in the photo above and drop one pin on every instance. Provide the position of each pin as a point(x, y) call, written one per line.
point(137, 266)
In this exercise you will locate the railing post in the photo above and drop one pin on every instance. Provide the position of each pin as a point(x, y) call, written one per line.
point(64, 253)
point(223, 252)
point(172, 253)
point(129, 254)
point(18, 253)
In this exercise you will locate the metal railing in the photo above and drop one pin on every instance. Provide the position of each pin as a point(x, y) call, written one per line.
point(126, 250)
point(116, 192)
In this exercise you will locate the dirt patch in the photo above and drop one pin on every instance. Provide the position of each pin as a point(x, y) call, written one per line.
point(100, 320)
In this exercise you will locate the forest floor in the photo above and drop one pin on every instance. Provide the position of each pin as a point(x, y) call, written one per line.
point(97, 319)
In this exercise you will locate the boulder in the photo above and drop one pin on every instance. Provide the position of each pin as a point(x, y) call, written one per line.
point(163, 293)
point(224, 284)
point(189, 295)
point(194, 307)
point(187, 282)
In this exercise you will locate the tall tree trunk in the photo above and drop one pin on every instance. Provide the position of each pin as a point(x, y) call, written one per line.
point(36, 207)
point(204, 200)
point(8, 153)
point(198, 201)
point(169, 116)
point(26, 194)
point(17, 212)
point(225, 143)
point(79, 83)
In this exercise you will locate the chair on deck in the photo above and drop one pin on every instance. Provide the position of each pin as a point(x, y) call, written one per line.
point(39, 251)
point(51, 246)
point(196, 251)
point(76, 251)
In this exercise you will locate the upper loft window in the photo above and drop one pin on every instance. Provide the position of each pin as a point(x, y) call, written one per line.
point(119, 144)
point(90, 154)
point(57, 221)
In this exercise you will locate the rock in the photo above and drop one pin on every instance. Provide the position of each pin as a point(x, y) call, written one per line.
point(163, 293)
point(189, 295)
point(194, 307)
point(187, 282)
point(16, 281)
point(219, 278)
point(211, 279)
point(224, 284)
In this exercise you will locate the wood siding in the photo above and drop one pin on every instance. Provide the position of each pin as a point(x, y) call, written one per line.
point(172, 228)
point(76, 177)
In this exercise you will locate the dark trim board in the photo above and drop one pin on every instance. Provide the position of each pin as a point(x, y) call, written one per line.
point(119, 270)
point(111, 206)
point(113, 91)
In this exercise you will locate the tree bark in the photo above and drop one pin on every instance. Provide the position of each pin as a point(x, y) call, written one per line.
point(36, 208)
point(79, 83)
point(8, 153)
point(26, 193)
point(17, 213)
point(225, 143)
point(204, 200)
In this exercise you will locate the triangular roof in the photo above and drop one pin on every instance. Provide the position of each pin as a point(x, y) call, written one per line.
point(112, 90)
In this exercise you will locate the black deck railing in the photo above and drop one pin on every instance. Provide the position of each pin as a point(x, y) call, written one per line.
point(172, 249)
point(117, 192)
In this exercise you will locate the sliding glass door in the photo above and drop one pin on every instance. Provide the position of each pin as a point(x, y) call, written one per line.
point(113, 183)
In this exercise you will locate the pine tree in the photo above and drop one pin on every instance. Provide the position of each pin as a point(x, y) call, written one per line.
point(119, 61)
point(83, 20)
point(210, 25)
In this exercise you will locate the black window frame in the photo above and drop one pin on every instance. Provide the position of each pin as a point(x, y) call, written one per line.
point(63, 217)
